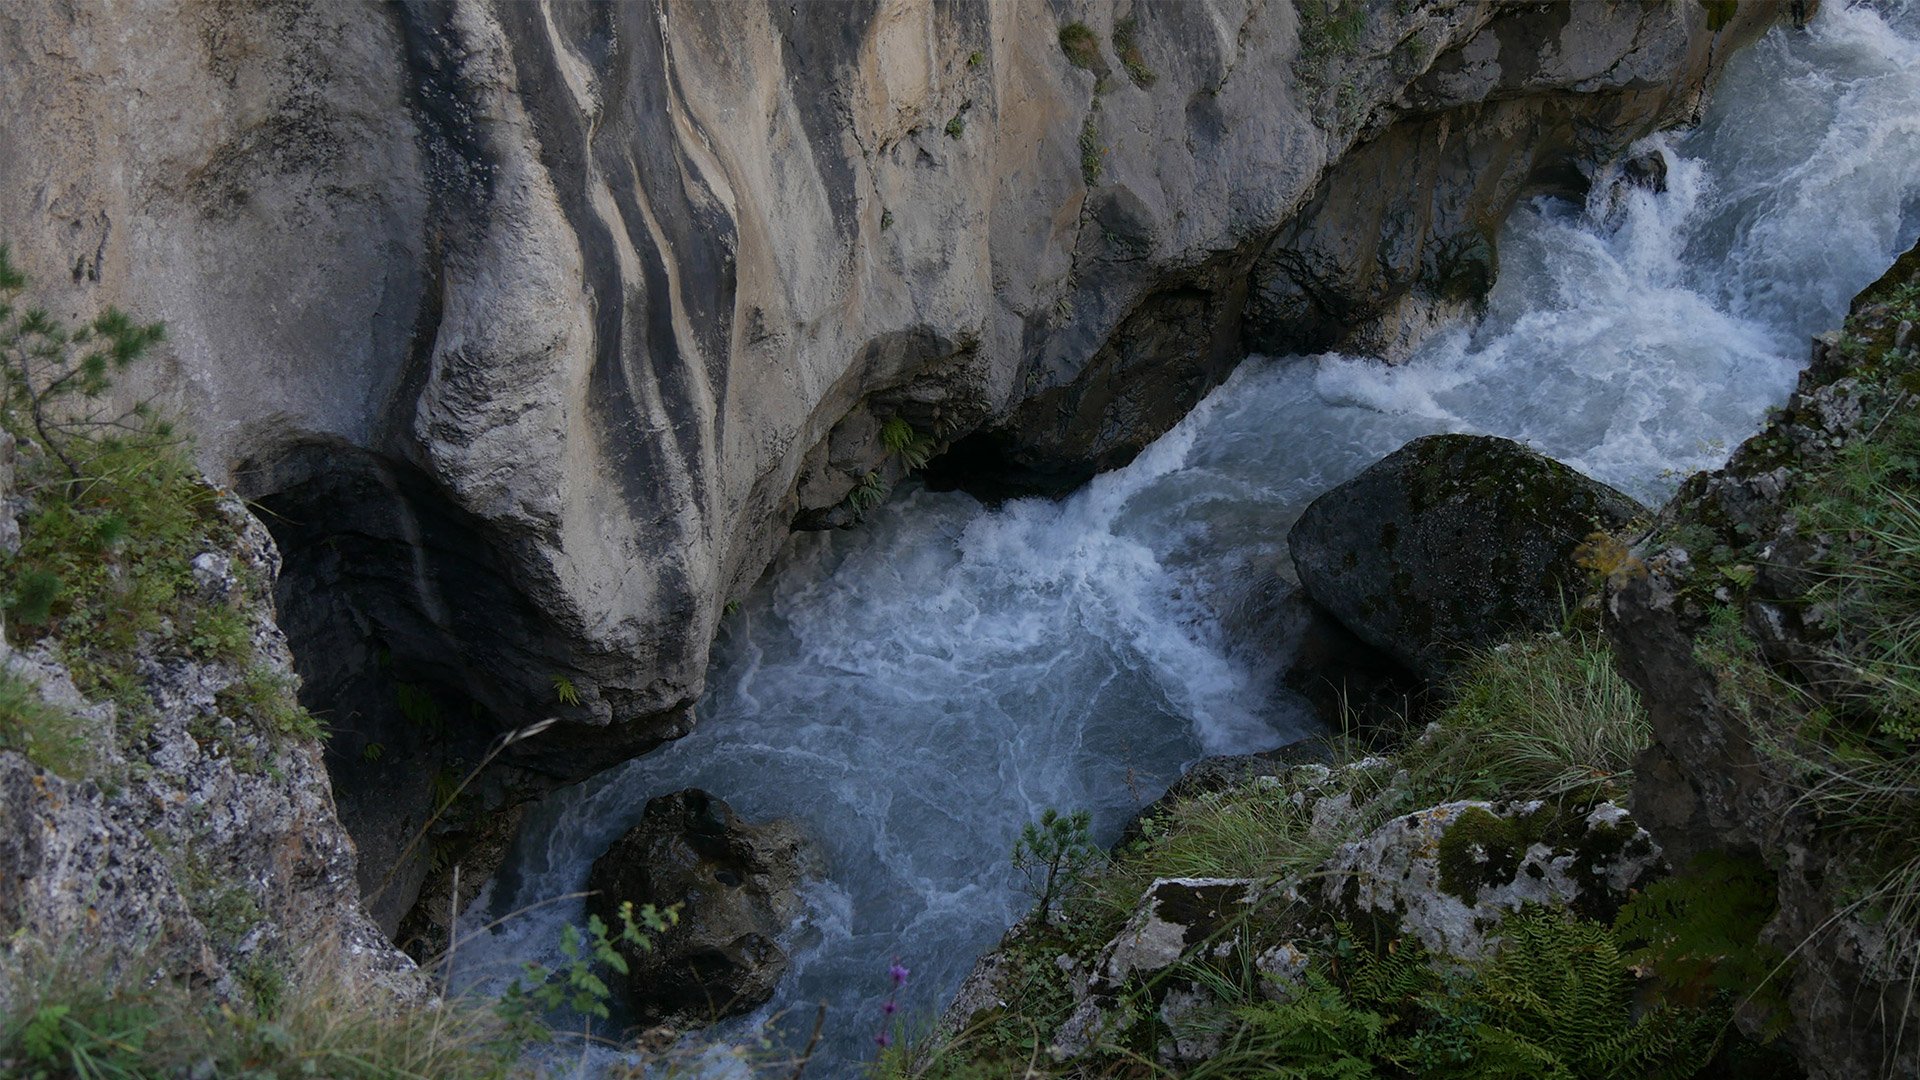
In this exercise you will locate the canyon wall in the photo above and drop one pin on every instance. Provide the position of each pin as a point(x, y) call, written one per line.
point(533, 329)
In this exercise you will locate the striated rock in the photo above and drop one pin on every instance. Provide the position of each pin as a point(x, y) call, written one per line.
point(1451, 542)
point(735, 885)
point(536, 326)
point(1449, 874)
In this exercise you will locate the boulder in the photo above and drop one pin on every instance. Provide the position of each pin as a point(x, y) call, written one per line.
point(1450, 874)
point(735, 885)
point(1451, 542)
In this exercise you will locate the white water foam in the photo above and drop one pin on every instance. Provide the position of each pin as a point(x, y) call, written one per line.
point(916, 689)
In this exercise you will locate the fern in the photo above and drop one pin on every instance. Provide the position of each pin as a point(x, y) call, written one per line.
point(1317, 1034)
point(912, 448)
point(1561, 987)
point(871, 491)
point(1699, 931)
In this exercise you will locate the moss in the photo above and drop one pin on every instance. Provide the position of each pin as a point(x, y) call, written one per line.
point(1479, 850)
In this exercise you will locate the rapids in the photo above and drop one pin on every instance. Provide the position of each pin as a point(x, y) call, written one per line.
point(916, 688)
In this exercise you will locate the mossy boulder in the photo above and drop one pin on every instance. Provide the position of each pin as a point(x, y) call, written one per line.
point(736, 887)
point(1451, 542)
point(1451, 874)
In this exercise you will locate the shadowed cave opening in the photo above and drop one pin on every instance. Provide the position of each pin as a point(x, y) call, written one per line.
point(407, 634)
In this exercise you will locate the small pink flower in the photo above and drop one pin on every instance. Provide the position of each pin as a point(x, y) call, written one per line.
point(889, 1008)
point(898, 973)
point(883, 1040)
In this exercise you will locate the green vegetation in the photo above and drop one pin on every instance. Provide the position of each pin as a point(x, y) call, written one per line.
point(56, 739)
point(1093, 152)
point(956, 126)
point(1081, 45)
point(1541, 718)
point(902, 441)
point(1557, 1001)
point(74, 1018)
point(1053, 853)
point(114, 515)
point(871, 491)
point(577, 985)
point(1126, 45)
point(1330, 27)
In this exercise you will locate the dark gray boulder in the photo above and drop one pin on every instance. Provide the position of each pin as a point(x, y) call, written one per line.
point(736, 886)
point(1450, 542)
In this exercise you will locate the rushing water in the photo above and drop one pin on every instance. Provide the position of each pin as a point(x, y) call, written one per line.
point(917, 688)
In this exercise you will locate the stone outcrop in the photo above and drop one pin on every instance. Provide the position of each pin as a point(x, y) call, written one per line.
point(1449, 543)
point(1707, 784)
point(1446, 877)
point(534, 327)
point(734, 885)
point(207, 847)
point(1449, 874)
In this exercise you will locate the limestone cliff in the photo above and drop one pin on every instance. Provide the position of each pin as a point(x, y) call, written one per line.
point(534, 328)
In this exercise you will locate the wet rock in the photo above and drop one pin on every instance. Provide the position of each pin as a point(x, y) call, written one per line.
point(1647, 171)
point(1449, 875)
point(1354, 687)
point(735, 884)
point(1451, 542)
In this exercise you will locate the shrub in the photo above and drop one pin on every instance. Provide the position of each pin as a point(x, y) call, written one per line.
point(1053, 853)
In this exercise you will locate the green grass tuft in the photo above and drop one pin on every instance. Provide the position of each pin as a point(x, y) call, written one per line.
point(1081, 45)
point(1126, 45)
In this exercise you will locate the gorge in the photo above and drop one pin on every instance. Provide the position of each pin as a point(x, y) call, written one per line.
point(926, 683)
point(886, 417)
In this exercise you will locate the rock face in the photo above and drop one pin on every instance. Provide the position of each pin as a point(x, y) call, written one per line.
point(535, 326)
point(215, 850)
point(1705, 785)
point(734, 884)
point(1450, 542)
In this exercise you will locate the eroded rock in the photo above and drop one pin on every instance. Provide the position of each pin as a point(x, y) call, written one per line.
point(1451, 542)
point(735, 885)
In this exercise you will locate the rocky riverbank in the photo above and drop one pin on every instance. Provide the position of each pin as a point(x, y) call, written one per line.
point(1482, 896)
